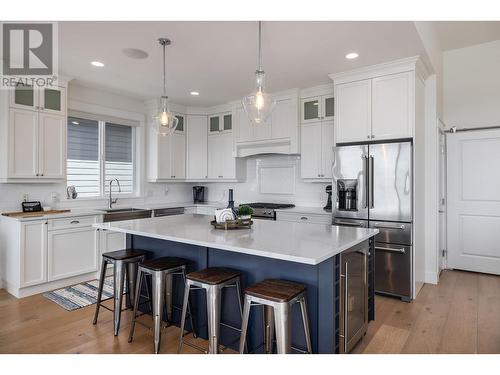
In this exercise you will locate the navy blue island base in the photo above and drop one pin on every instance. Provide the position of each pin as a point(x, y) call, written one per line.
point(322, 281)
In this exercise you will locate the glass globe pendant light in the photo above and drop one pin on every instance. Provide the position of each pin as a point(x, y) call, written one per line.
point(166, 122)
point(259, 105)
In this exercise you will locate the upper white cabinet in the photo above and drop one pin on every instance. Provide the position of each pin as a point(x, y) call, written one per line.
point(279, 134)
point(33, 134)
point(317, 108)
point(377, 103)
point(221, 122)
point(393, 99)
point(222, 165)
point(167, 156)
point(197, 141)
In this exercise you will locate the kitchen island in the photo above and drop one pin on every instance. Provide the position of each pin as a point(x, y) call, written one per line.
point(304, 253)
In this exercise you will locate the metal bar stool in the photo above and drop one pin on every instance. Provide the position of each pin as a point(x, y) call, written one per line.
point(277, 298)
point(125, 264)
point(212, 280)
point(161, 271)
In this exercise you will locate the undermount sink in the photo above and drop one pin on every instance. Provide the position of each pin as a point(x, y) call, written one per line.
point(120, 214)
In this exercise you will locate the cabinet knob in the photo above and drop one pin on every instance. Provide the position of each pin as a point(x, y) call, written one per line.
point(368, 136)
point(41, 174)
point(303, 218)
point(373, 136)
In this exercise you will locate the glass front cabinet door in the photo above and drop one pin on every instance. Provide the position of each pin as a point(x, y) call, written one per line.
point(53, 100)
point(47, 99)
point(24, 97)
point(311, 110)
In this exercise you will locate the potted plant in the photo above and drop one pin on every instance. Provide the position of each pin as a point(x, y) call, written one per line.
point(245, 212)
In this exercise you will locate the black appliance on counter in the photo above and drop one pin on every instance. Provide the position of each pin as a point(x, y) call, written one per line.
point(198, 194)
point(266, 211)
point(328, 207)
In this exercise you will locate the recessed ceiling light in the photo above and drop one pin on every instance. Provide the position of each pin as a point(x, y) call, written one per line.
point(97, 64)
point(351, 55)
point(75, 122)
point(135, 53)
point(194, 93)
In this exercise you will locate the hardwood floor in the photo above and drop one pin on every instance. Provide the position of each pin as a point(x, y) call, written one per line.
point(460, 315)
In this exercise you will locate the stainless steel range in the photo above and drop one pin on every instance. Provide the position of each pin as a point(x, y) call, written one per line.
point(266, 211)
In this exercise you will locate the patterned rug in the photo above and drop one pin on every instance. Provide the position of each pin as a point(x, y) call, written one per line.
point(81, 295)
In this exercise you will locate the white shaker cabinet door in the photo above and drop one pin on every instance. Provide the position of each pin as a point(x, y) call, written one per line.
point(52, 146)
point(228, 162)
point(393, 106)
point(197, 132)
point(72, 252)
point(326, 148)
point(178, 156)
point(214, 157)
point(33, 253)
point(23, 143)
point(353, 111)
point(310, 161)
point(164, 170)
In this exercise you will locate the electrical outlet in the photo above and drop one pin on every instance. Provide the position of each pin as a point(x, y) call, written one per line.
point(25, 197)
point(54, 196)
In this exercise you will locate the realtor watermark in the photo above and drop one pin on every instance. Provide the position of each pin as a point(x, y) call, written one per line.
point(28, 54)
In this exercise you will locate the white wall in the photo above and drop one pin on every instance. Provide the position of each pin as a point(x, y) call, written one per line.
point(303, 193)
point(472, 86)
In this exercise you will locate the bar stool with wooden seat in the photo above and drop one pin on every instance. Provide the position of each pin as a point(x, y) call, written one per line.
point(161, 270)
point(125, 265)
point(212, 280)
point(277, 298)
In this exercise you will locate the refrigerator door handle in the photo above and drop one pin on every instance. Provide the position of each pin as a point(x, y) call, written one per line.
point(370, 174)
point(367, 186)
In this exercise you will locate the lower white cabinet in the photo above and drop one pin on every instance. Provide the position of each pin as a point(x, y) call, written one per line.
point(33, 252)
point(71, 252)
point(111, 241)
point(304, 218)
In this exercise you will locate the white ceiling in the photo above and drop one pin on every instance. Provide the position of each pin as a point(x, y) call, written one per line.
point(459, 34)
point(218, 59)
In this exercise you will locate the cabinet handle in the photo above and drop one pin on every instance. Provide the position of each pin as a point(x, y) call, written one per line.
point(373, 136)
point(172, 176)
point(368, 136)
point(41, 175)
point(37, 175)
point(74, 222)
point(304, 218)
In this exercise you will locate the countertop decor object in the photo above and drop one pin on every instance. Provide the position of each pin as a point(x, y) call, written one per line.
point(224, 214)
point(233, 224)
point(245, 212)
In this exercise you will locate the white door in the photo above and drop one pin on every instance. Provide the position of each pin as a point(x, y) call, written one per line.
point(392, 106)
point(196, 163)
point(23, 143)
point(310, 110)
point(227, 160)
point(310, 158)
point(214, 157)
point(72, 252)
point(53, 100)
point(244, 128)
point(474, 201)
point(353, 111)
point(164, 156)
point(52, 150)
point(284, 115)
point(33, 253)
point(326, 148)
point(178, 156)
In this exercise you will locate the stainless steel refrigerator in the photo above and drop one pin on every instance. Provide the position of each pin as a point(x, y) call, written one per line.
point(372, 184)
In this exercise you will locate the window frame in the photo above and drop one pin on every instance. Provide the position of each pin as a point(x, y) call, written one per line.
point(101, 126)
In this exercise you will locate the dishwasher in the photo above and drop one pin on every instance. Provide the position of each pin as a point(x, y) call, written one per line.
point(168, 211)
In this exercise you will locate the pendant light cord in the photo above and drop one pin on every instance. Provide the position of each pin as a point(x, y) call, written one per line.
point(164, 74)
point(260, 46)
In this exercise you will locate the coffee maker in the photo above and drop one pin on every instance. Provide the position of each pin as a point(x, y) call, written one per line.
point(199, 194)
point(328, 207)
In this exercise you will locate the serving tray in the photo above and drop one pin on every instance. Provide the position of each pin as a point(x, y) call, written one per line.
point(233, 224)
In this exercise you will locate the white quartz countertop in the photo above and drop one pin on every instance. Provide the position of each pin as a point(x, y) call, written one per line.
point(295, 242)
point(305, 210)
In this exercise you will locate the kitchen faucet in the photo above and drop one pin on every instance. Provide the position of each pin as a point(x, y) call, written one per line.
point(111, 200)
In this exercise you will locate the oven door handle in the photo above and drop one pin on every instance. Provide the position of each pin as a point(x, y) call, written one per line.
point(388, 226)
point(391, 249)
point(352, 224)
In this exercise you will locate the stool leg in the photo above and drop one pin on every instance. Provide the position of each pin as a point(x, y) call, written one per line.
point(168, 296)
point(189, 307)
point(244, 324)
point(104, 265)
point(119, 269)
point(132, 268)
point(268, 328)
point(136, 305)
point(305, 320)
point(158, 300)
point(184, 311)
point(283, 328)
point(238, 295)
point(213, 312)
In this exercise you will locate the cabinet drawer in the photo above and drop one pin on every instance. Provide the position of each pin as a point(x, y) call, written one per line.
point(72, 222)
point(304, 218)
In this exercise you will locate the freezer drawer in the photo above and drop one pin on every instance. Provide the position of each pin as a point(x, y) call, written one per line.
point(350, 222)
point(393, 270)
point(392, 232)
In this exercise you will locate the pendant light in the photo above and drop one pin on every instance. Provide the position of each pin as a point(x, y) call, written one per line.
point(259, 105)
point(166, 122)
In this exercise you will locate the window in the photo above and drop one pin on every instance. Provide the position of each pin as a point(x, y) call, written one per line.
point(99, 151)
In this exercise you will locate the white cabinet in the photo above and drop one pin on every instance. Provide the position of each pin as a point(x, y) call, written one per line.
point(167, 156)
point(316, 150)
point(306, 218)
point(111, 241)
point(392, 106)
point(317, 108)
point(197, 143)
point(279, 134)
point(221, 122)
point(353, 110)
point(71, 252)
point(33, 141)
point(221, 163)
point(375, 109)
point(33, 253)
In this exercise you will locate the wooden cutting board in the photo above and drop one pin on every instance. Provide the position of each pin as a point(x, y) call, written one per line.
point(34, 214)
